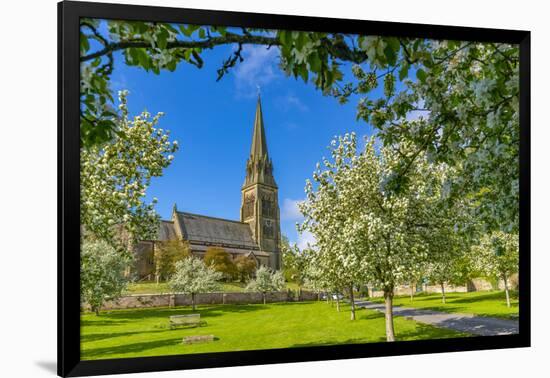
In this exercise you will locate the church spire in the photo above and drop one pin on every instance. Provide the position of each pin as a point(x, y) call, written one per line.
point(259, 144)
point(259, 168)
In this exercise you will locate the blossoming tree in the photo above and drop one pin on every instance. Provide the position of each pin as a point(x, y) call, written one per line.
point(102, 270)
point(192, 276)
point(497, 255)
point(365, 224)
point(266, 281)
point(114, 179)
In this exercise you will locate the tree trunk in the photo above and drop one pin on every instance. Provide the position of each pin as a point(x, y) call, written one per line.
point(263, 296)
point(390, 334)
point(193, 300)
point(506, 291)
point(96, 310)
point(443, 292)
point(299, 293)
point(412, 291)
point(337, 303)
point(352, 302)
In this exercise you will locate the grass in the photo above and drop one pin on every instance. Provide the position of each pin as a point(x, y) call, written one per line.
point(145, 332)
point(150, 287)
point(482, 303)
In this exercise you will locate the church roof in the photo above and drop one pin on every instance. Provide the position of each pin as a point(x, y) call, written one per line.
point(166, 231)
point(204, 229)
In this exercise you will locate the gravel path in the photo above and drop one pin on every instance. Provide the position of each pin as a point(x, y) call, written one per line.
point(477, 325)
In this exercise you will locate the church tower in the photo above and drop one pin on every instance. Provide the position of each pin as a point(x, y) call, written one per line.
point(259, 200)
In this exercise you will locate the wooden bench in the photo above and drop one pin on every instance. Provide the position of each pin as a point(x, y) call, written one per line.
point(192, 320)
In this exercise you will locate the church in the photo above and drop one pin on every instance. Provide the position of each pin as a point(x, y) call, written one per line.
point(255, 234)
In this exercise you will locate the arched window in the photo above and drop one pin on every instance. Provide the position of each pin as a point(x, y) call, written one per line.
point(248, 209)
point(267, 207)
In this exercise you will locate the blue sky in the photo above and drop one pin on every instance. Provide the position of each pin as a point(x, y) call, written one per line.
point(213, 123)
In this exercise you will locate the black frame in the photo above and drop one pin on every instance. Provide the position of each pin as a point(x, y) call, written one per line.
point(69, 363)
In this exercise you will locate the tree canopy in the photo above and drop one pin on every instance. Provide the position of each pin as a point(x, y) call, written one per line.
point(457, 102)
point(365, 229)
point(102, 270)
point(220, 260)
point(192, 276)
point(115, 176)
point(167, 254)
point(266, 281)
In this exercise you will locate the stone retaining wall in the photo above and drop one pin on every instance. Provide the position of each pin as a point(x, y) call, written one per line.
point(168, 300)
point(405, 290)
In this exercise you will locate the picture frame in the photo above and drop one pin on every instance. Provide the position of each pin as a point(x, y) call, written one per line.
point(69, 303)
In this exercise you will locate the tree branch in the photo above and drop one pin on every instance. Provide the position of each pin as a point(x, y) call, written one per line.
point(204, 44)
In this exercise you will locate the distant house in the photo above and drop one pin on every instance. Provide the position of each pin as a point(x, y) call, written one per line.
point(256, 234)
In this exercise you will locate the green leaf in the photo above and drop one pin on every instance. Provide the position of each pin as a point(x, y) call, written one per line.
point(202, 33)
point(391, 55)
point(315, 63)
point(301, 40)
point(140, 27)
point(421, 75)
point(404, 71)
point(132, 53)
point(162, 39)
point(393, 43)
point(170, 28)
point(188, 30)
point(428, 62)
point(391, 51)
point(187, 54)
point(84, 43)
point(304, 73)
point(285, 37)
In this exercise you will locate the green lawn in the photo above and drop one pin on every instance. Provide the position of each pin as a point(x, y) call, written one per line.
point(162, 287)
point(483, 303)
point(145, 332)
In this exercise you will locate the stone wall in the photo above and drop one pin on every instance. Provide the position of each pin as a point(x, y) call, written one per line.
point(406, 290)
point(476, 284)
point(140, 301)
point(430, 289)
point(168, 300)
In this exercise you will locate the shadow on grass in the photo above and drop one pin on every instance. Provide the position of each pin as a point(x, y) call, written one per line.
point(421, 332)
point(108, 335)
point(496, 296)
point(134, 348)
point(427, 332)
point(114, 317)
point(369, 315)
point(205, 311)
point(335, 342)
point(99, 321)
